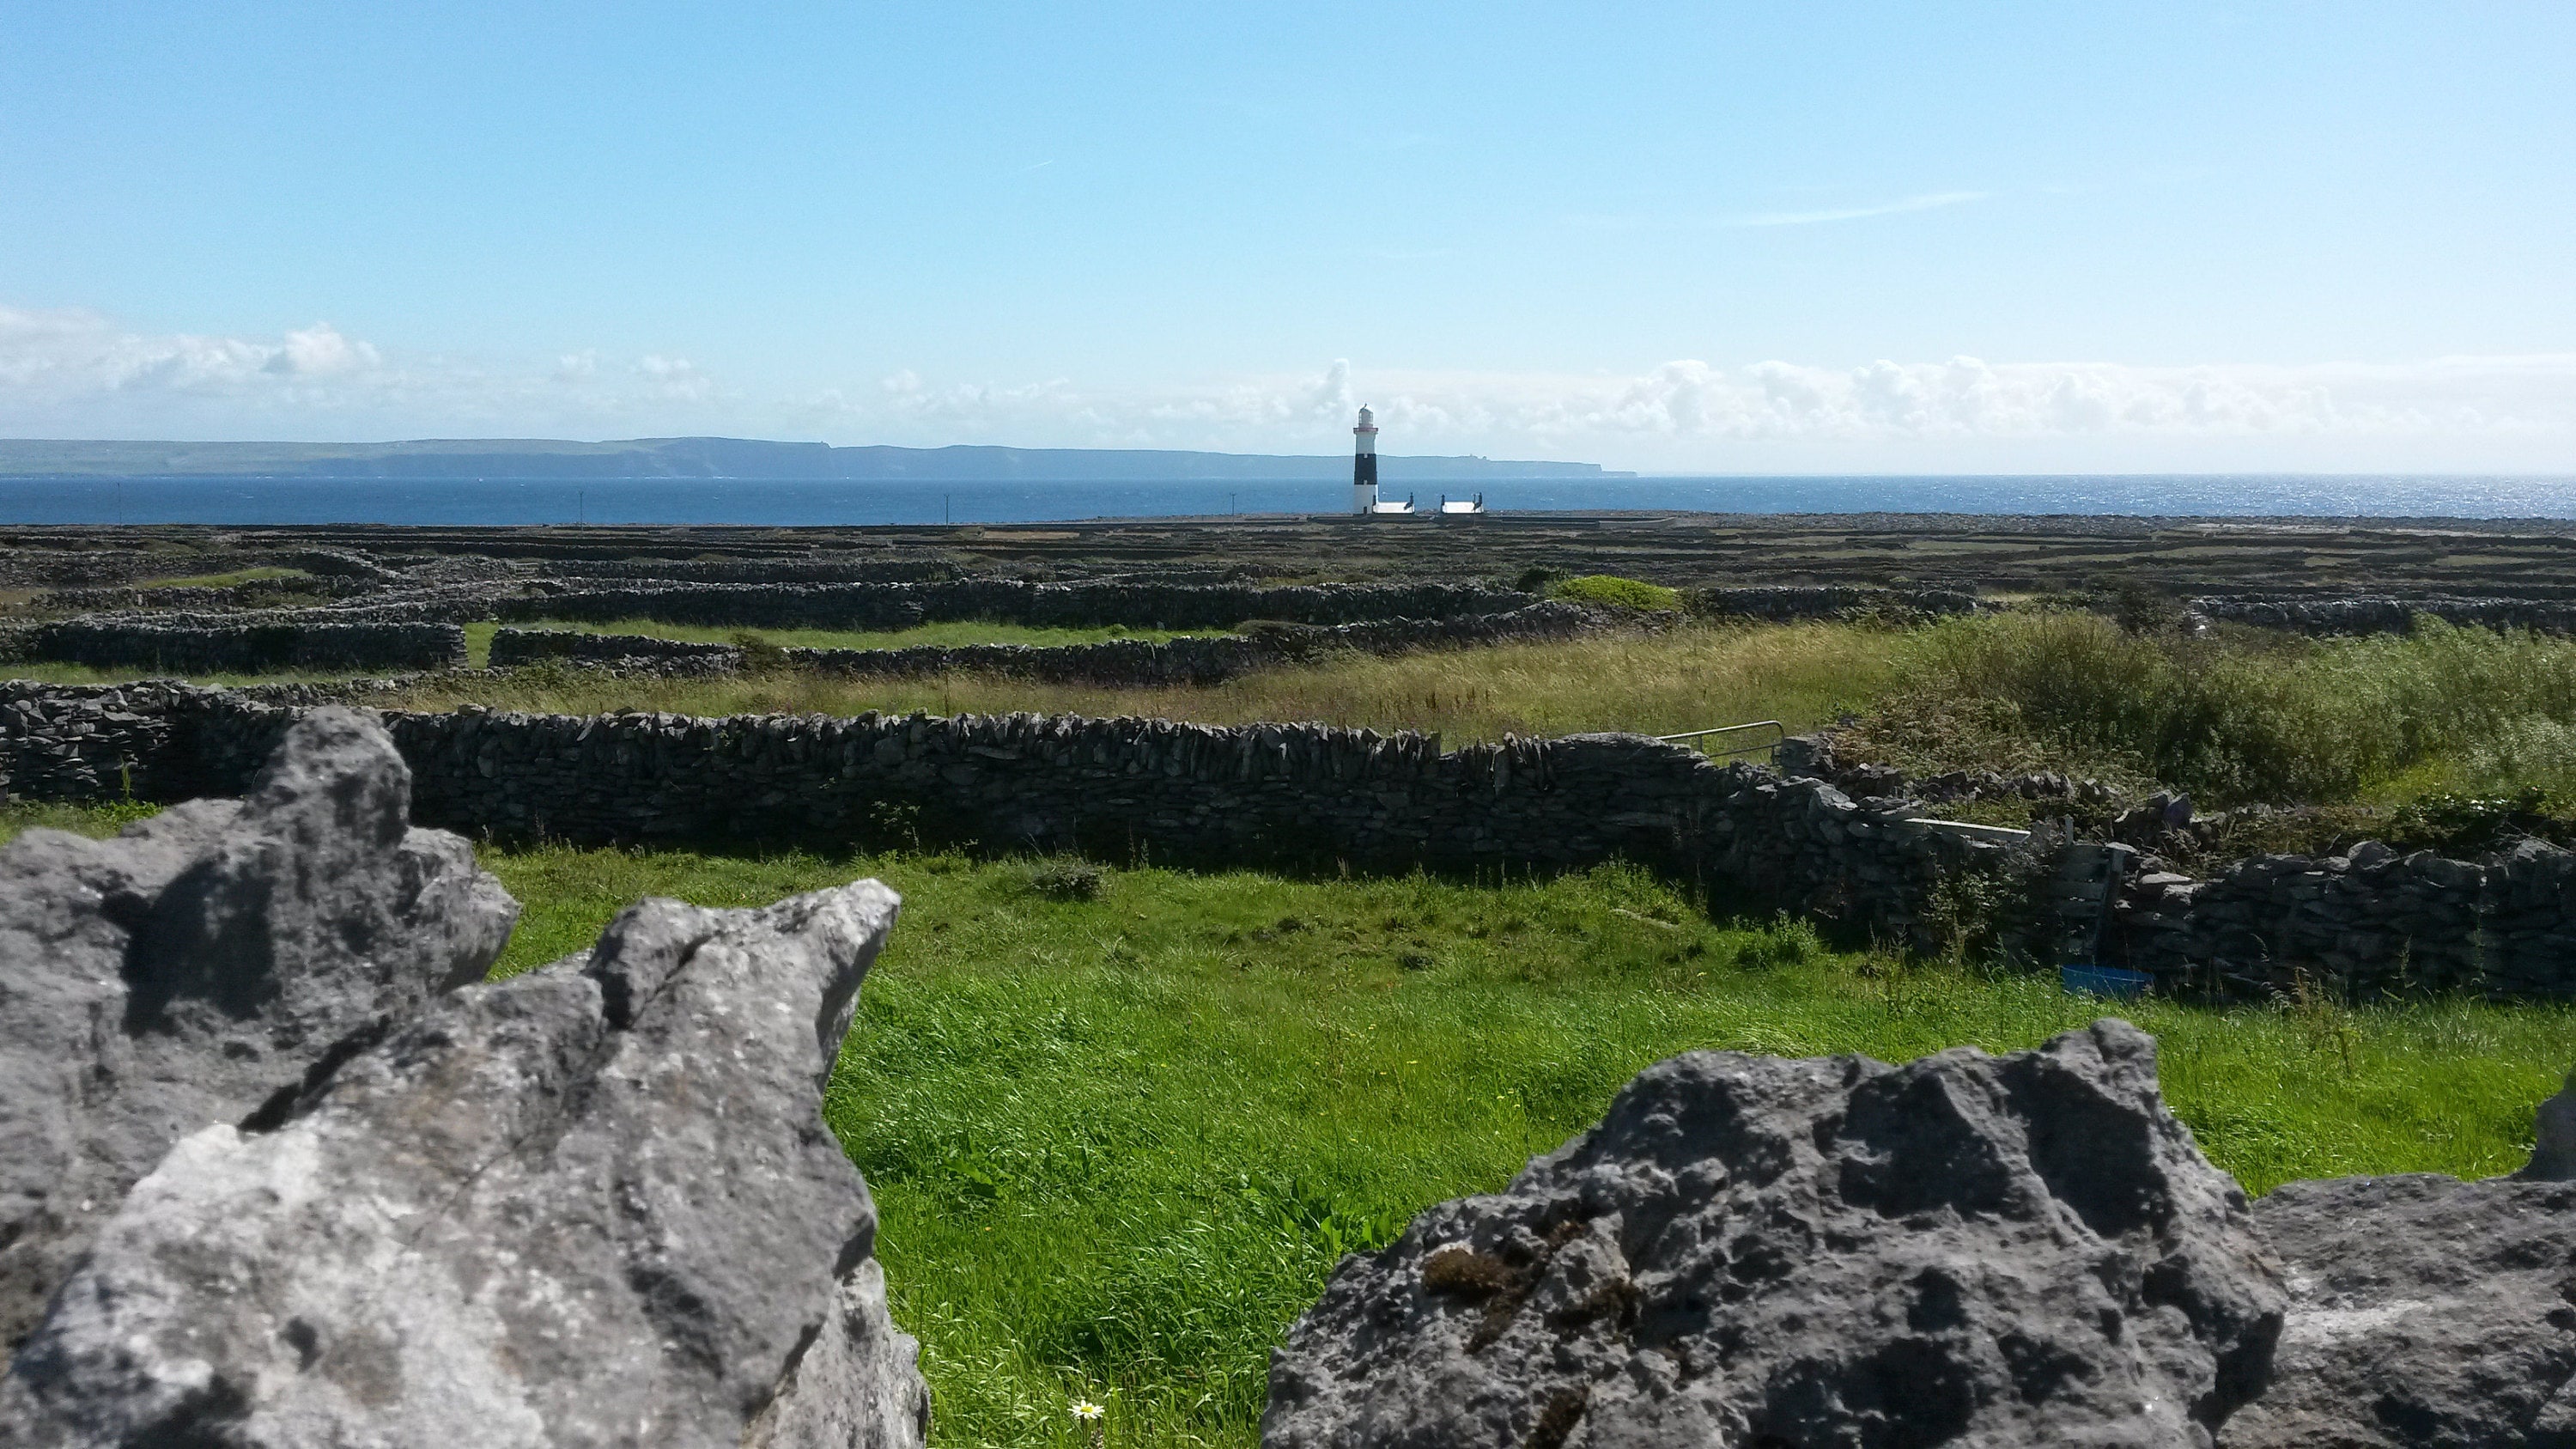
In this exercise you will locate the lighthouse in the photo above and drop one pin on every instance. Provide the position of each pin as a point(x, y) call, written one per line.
point(1364, 465)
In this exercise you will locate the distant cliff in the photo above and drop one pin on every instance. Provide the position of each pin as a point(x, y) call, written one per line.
point(719, 458)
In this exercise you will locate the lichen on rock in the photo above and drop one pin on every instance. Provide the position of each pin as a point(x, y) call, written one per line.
point(1756, 1250)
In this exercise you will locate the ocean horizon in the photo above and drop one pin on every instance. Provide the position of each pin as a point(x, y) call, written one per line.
point(92, 499)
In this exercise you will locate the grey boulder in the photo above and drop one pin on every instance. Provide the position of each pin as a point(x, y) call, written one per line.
point(1762, 1251)
point(2424, 1311)
point(2553, 1146)
point(183, 972)
point(595, 1204)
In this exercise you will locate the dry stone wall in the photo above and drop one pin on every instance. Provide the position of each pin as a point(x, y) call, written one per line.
point(72, 564)
point(1198, 660)
point(1134, 603)
point(1272, 794)
point(256, 593)
point(761, 570)
point(2366, 924)
point(197, 644)
point(2389, 615)
point(1786, 604)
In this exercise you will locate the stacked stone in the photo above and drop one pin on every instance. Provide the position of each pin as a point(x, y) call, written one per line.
point(2527, 925)
point(1268, 793)
point(2365, 924)
point(534, 646)
point(1825, 601)
point(761, 570)
point(2370, 923)
point(197, 643)
point(340, 563)
point(1134, 603)
point(85, 743)
point(2389, 615)
point(230, 596)
point(80, 564)
point(1196, 660)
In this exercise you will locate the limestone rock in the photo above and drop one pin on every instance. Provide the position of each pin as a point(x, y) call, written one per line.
point(183, 972)
point(1755, 1250)
point(2553, 1147)
point(2424, 1311)
point(595, 1204)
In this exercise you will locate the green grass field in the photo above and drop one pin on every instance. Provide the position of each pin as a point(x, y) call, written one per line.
point(1120, 1138)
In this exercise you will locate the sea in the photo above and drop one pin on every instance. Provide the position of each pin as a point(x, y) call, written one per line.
point(793, 502)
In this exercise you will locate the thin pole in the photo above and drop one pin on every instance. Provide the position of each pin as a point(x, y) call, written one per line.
point(581, 506)
point(943, 506)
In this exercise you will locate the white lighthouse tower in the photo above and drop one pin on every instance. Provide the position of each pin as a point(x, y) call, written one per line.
point(1364, 466)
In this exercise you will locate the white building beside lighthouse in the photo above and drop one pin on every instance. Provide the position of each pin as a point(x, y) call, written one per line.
point(1364, 470)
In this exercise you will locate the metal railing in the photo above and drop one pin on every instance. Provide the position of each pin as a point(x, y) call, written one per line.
point(1778, 731)
point(2004, 834)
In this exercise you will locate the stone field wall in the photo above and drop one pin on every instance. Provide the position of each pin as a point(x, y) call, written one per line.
point(199, 644)
point(2366, 924)
point(199, 597)
point(1298, 795)
point(760, 570)
point(2389, 616)
point(1192, 660)
point(1135, 604)
point(1781, 605)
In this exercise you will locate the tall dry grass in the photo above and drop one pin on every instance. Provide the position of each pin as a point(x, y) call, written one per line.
point(1689, 678)
point(2242, 716)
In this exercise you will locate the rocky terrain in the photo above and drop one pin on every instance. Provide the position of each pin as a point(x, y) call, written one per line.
point(187, 971)
point(2280, 558)
point(1965, 1250)
point(285, 1173)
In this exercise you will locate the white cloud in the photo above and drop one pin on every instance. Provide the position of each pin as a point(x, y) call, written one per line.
point(1694, 415)
point(674, 379)
point(76, 374)
point(320, 351)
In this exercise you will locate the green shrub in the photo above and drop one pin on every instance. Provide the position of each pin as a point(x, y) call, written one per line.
point(2459, 825)
point(1788, 941)
point(1613, 592)
point(759, 656)
point(1065, 879)
point(2238, 717)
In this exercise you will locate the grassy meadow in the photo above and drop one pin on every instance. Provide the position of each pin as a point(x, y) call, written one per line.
point(1122, 1123)
point(2240, 716)
point(2243, 716)
point(1690, 678)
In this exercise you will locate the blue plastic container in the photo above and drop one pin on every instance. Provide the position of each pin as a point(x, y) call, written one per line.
point(2108, 981)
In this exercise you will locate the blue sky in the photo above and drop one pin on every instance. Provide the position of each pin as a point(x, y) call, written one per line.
point(1711, 237)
